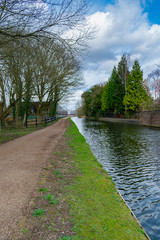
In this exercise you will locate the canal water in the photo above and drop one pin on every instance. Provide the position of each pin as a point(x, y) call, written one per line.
point(131, 156)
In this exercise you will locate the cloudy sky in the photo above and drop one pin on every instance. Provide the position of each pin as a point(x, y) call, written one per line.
point(122, 26)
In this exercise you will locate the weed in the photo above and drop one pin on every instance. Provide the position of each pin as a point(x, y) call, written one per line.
point(47, 227)
point(57, 153)
point(58, 173)
point(39, 212)
point(40, 182)
point(24, 230)
point(51, 199)
point(43, 176)
point(43, 190)
point(65, 238)
point(54, 202)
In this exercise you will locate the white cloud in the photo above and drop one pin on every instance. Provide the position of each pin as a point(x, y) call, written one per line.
point(122, 27)
point(72, 101)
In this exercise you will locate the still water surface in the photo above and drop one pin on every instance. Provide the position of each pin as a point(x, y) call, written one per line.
point(131, 156)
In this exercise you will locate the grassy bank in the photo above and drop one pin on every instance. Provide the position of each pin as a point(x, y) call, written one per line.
point(98, 210)
point(7, 135)
point(10, 134)
point(75, 199)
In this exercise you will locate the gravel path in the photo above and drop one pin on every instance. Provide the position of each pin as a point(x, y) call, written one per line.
point(21, 161)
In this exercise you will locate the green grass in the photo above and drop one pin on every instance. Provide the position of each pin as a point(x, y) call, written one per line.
point(10, 134)
point(6, 135)
point(97, 210)
point(65, 238)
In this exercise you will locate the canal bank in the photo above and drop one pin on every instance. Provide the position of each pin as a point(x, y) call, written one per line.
point(119, 120)
point(101, 212)
point(75, 199)
point(150, 118)
point(130, 153)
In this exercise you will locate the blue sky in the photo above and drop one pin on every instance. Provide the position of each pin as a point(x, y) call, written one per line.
point(151, 7)
point(122, 26)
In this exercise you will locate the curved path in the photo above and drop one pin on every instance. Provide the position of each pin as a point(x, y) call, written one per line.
point(21, 161)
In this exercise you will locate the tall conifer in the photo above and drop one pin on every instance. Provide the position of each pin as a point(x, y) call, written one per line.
point(135, 93)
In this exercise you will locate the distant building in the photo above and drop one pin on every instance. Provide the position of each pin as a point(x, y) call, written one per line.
point(61, 112)
point(72, 113)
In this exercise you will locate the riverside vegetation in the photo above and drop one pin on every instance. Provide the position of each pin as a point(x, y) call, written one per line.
point(76, 199)
point(124, 94)
point(8, 134)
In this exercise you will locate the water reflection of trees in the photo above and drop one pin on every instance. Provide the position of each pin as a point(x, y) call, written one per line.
point(126, 147)
point(127, 150)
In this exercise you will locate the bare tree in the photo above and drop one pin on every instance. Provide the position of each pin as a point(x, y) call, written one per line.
point(57, 73)
point(37, 18)
point(154, 82)
point(16, 68)
point(61, 22)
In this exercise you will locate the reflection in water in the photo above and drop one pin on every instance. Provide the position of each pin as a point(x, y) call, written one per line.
point(131, 155)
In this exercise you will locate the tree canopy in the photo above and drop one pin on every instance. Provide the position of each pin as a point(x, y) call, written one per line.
point(135, 92)
point(92, 101)
point(37, 18)
point(124, 93)
point(39, 45)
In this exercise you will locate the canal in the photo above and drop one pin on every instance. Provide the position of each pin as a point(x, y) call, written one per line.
point(131, 156)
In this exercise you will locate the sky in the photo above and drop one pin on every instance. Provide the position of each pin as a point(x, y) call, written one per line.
point(122, 26)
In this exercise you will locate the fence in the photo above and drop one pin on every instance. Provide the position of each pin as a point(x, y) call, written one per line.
point(31, 122)
point(49, 119)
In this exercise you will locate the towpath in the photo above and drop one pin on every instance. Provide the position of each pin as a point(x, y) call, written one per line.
point(21, 161)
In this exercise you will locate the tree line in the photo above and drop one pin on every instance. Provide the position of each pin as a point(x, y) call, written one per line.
point(125, 92)
point(39, 47)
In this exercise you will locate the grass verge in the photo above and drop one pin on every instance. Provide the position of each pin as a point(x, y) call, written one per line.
point(10, 134)
point(98, 210)
point(75, 199)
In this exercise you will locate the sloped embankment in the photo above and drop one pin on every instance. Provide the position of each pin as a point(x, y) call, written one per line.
point(85, 203)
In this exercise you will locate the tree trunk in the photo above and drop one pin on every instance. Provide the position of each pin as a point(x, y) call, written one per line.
point(55, 102)
point(3, 103)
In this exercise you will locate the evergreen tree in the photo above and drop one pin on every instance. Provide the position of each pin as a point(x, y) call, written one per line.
point(87, 103)
point(123, 70)
point(110, 104)
point(135, 93)
point(112, 97)
point(104, 98)
point(97, 91)
point(92, 101)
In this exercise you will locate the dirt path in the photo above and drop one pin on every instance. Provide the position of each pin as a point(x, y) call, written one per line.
point(21, 161)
